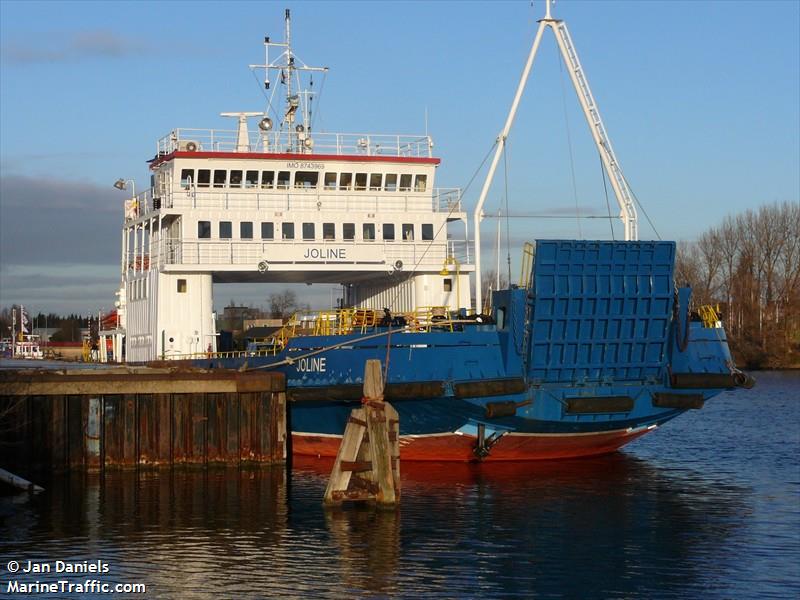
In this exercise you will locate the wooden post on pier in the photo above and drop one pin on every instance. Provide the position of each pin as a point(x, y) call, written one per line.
point(367, 466)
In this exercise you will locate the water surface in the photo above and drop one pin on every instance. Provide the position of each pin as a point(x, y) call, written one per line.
point(708, 506)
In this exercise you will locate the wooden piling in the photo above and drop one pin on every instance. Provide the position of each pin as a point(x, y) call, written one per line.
point(367, 465)
point(98, 419)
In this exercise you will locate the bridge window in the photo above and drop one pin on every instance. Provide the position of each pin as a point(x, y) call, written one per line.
point(388, 231)
point(267, 231)
point(203, 177)
point(427, 231)
point(390, 184)
point(405, 183)
point(181, 286)
point(220, 177)
point(308, 231)
point(251, 179)
point(187, 176)
point(361, 182)
point(287, 230)
point(328, 231)
point(408, 231)
point(267, 179)
point(349, 231)
point(421, 183)
point(375, 182)
point(246, 230)
point(236, 179)
point(225, 230)
point(368, 231)
point(345, 181)
point(204, 229)
point(306, 180)
point(447, 284)
point(283, 180)
point(330, 181)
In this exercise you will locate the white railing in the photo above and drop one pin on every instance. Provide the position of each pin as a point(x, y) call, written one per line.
point(447, 200)
point(440, 200)
point(358, 144)
point(138, 205)
point(459, 250)
point(383, 254)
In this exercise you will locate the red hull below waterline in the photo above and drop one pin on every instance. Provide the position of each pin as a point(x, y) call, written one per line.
point(459, 448)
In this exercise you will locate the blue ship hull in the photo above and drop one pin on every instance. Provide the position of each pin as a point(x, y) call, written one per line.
point(600, 350)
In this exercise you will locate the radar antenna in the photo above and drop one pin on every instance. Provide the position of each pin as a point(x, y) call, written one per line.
point(242, 135)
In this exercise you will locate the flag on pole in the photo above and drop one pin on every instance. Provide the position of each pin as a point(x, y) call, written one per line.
point(23, 320)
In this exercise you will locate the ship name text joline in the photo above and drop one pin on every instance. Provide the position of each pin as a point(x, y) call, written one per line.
point(325, 253)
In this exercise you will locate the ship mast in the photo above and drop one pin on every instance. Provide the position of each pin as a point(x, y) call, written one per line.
point(591, 111)
point(288, 66)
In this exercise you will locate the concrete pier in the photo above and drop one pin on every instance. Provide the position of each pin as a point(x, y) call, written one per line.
point(96, 419)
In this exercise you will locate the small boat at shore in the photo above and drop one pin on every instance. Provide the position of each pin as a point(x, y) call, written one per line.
point(594, 347)
point(22, 345)
point(25, 346)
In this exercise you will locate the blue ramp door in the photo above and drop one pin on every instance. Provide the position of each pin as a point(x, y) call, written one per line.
point(601, 310)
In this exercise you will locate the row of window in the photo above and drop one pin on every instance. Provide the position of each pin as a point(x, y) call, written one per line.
point(347, 231)
point(303, 180)
point(138, 289)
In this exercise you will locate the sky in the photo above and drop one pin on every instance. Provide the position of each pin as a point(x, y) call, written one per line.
point(701, 101)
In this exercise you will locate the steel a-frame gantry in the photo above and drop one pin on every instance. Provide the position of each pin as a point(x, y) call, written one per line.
point(622, 192)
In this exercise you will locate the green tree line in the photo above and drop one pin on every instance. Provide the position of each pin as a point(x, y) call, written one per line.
point(69, 326)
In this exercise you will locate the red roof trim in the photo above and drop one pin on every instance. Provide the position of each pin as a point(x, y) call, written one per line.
point(298, 157)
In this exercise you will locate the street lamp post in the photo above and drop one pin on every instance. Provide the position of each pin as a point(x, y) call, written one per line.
point(122, 184)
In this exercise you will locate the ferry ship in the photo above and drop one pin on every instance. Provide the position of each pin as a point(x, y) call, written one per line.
point(594, 346)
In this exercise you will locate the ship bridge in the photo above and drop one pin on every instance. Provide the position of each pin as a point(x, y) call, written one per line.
point(231, 206)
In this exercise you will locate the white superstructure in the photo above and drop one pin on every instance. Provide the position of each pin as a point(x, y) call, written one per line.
point(284, 204)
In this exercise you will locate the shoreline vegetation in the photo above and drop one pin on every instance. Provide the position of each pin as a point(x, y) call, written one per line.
point(749, 266)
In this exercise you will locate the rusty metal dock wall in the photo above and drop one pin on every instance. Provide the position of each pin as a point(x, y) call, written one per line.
point(100, 419)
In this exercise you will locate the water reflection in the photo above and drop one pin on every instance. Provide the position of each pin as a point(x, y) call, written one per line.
point(614, 526)
point(564, 527)
point(368, 547)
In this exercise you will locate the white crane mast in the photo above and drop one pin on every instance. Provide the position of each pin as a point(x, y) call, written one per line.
point(622, 192)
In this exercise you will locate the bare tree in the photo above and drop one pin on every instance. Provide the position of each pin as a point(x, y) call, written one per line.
point(688, 267)
point(284, 304)
point(751, 263)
